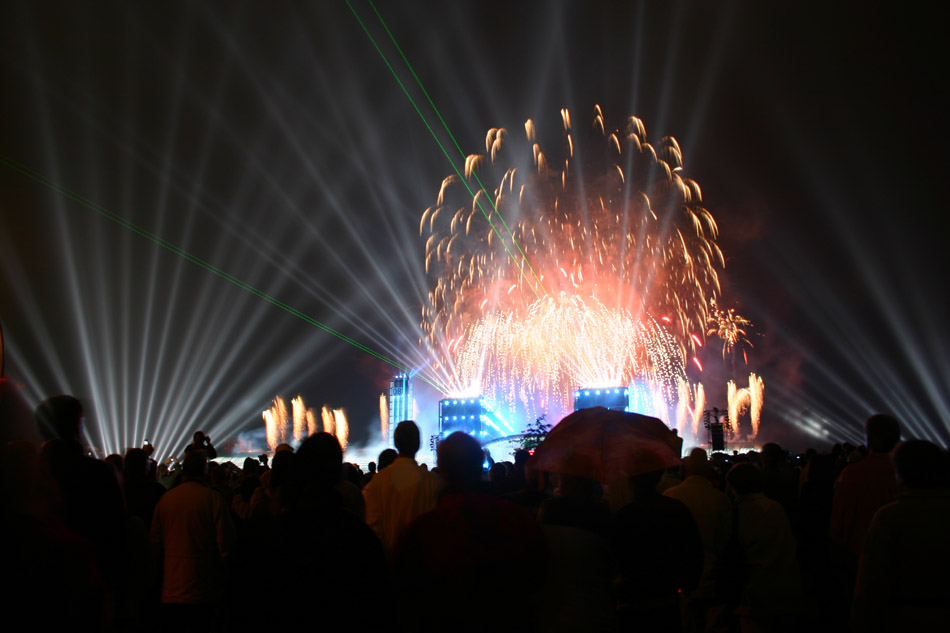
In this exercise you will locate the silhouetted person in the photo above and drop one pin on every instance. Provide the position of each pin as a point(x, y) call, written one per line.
point(903, 579)
point(152, 465)
point(316, 578)
point(772, 596)
point(498, 479)
point(142, 492)
point(710, 509)
point(518, 476)
point(470, 544)
point(370, 473)
point(779, 482)
point(400, 492)
point(815, 498)
point(202, 443)
point(577, 502)
point(659, 554)
point(577, 594)
point(270, 500)
point(92, 502)
point(52, 577)
point(862, 488)
point(192, 534)
point(386, 457)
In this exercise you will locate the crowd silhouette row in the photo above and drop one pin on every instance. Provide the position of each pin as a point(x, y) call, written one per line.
point(852, 538)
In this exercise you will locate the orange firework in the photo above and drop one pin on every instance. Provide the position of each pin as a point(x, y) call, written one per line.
point(329, 420)
point(730, 327)
point(539, 357)
point(629, 231)
point(342, 427)
point(383, 417)
point(299, 409)
point(276, 422)
point(551, 279)
point(748, 399)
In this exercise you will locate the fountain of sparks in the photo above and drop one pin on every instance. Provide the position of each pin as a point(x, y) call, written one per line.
point(299, 423)
point(572, 272)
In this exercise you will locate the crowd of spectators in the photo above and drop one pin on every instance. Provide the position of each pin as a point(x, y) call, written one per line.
point(852, 538)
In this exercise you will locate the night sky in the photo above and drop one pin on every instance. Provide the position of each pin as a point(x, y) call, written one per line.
point(271, 142)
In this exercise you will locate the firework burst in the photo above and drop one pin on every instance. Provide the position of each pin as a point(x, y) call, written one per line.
point(534, 359)
point(552, 279)
point(731, 328)
point(625, 227)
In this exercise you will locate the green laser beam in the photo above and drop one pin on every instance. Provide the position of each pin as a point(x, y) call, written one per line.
point(123, 222)
point(445, 126)
point(445, 152)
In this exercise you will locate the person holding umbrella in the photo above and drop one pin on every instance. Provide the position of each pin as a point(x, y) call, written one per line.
point(657, 546)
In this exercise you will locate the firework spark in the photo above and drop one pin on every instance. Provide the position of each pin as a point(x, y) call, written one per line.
point(276, 422)
point(757, 393)
point(749, 399)
point(329, 420)
point(342, 427)
point(738, 400)
point(270, 427)
point(688, 415)
point(311, 423)
point(731, 328)
point(301, 415)
point(335, 423)
point(281, 426)
point(383, 417)
point(559, 344)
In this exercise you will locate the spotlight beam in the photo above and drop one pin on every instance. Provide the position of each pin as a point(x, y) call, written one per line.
point(425, 92)
point(445, 152)
point(75, 197)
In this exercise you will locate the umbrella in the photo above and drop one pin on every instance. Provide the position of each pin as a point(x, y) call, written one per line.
point(605, 445)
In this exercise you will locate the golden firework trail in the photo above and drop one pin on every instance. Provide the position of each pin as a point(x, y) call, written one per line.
point(342, 427)
point(270, 427)
point(301, 428)
point(276, 422)
point(689, 407)
point(558, 343)
point(383, 417)
point(738, 400)
point(746, 399)
point(281, 426)
point(757, 393)
point(329, 420)
point(311, 423)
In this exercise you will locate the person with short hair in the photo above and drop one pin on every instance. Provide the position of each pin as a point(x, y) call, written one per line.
point(192, 535)
point(202, 443)
point(902, 581)
point(862, 488)
point(400, 492)
point(471, 541)
point(771, 596)
point(92, 501)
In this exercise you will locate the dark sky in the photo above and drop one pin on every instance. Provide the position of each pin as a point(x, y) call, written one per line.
point(271, 141)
